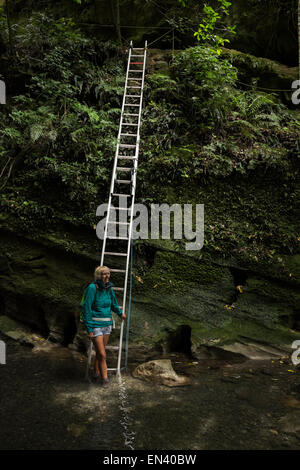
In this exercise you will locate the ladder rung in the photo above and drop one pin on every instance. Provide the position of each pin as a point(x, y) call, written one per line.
point(118, 194)
point(118, 223)
point(114, 254)
point(128, 104)
point(135, 79)
point(126, 157)
point(133, 96)
point(123, 208)
point(136, 63)
point(127, 114)
point(123, 181)
point(124, 168)
point(129, 124)
point(138, 48)
point(129, 135)
point(118, 270)
point(140, 55)
point(141, 71)
point(118, 288)
point(117, 238)
point(127, 145)
point(138, 87)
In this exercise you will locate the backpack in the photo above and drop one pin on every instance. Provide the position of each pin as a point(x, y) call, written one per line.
point(83, 299)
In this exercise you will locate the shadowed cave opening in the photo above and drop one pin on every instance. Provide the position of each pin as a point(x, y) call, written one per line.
point(43, 328)
point(2, 305)
point(240, 277)
point(179, 340)
point(70, 331)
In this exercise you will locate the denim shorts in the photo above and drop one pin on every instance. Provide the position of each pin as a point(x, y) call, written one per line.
point(105, 330)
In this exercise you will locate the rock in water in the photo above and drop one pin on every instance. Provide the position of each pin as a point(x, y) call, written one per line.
point(290, 423)
point(160, 371)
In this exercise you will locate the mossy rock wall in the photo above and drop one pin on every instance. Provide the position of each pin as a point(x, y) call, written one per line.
point(41, 287)
point(177, 291)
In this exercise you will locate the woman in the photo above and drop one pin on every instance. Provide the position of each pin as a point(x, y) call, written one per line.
point(99, 300)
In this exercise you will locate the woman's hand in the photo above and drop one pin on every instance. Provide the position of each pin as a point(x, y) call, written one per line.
point(91, 335)
point(123, 316)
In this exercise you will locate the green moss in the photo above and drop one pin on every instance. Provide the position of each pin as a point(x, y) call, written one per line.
point(174, 271)
point(285, 296)
point(265, 73)
point(242, 330)
point(293, 266)
point(8, 324)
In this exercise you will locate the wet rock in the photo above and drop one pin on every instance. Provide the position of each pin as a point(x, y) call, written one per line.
point(160, 371)
point(290, 423)
point(268, 372)
point(19, 332)
point(46, 347)
point(254, 350)
point(81, 341)
point(291, 402)
point(252, 397)
point(76, 429)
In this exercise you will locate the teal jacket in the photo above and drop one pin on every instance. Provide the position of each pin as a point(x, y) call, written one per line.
point(98, 303)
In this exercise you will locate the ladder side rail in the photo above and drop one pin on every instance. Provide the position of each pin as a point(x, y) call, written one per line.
point(139, 118)
point(116, 159)
point(131, 215)
point(134, 180)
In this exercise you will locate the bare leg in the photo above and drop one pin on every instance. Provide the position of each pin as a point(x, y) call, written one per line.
point(101, 355)
point(105, 339)
point(97, 362)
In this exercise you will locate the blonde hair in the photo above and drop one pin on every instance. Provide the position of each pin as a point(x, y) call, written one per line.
point(98, 271)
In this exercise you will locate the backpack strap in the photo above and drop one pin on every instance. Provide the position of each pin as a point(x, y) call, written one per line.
point(97, 288)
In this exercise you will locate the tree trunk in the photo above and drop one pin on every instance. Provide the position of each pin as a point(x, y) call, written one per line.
point(299, 37)
point(115, 7)
point(118, 21)
point(8, 27)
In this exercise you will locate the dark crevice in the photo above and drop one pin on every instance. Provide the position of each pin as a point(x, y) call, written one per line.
point(2, 305)
point(145, 252)
point(43, 328)
point(35, 258)
point(70, 331)
point(240, 277)
point(179, 340)
point(291, 321)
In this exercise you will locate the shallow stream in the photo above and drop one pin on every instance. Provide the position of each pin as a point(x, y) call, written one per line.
point(47, 404)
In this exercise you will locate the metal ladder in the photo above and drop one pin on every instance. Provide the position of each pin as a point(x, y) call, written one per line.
point(125, 164)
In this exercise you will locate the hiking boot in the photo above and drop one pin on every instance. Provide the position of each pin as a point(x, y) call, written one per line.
point(95, 377)
point(105, 382)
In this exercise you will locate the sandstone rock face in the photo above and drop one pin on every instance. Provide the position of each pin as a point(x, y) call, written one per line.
point(17, 331)
point(256, 351)
point(160, 371)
